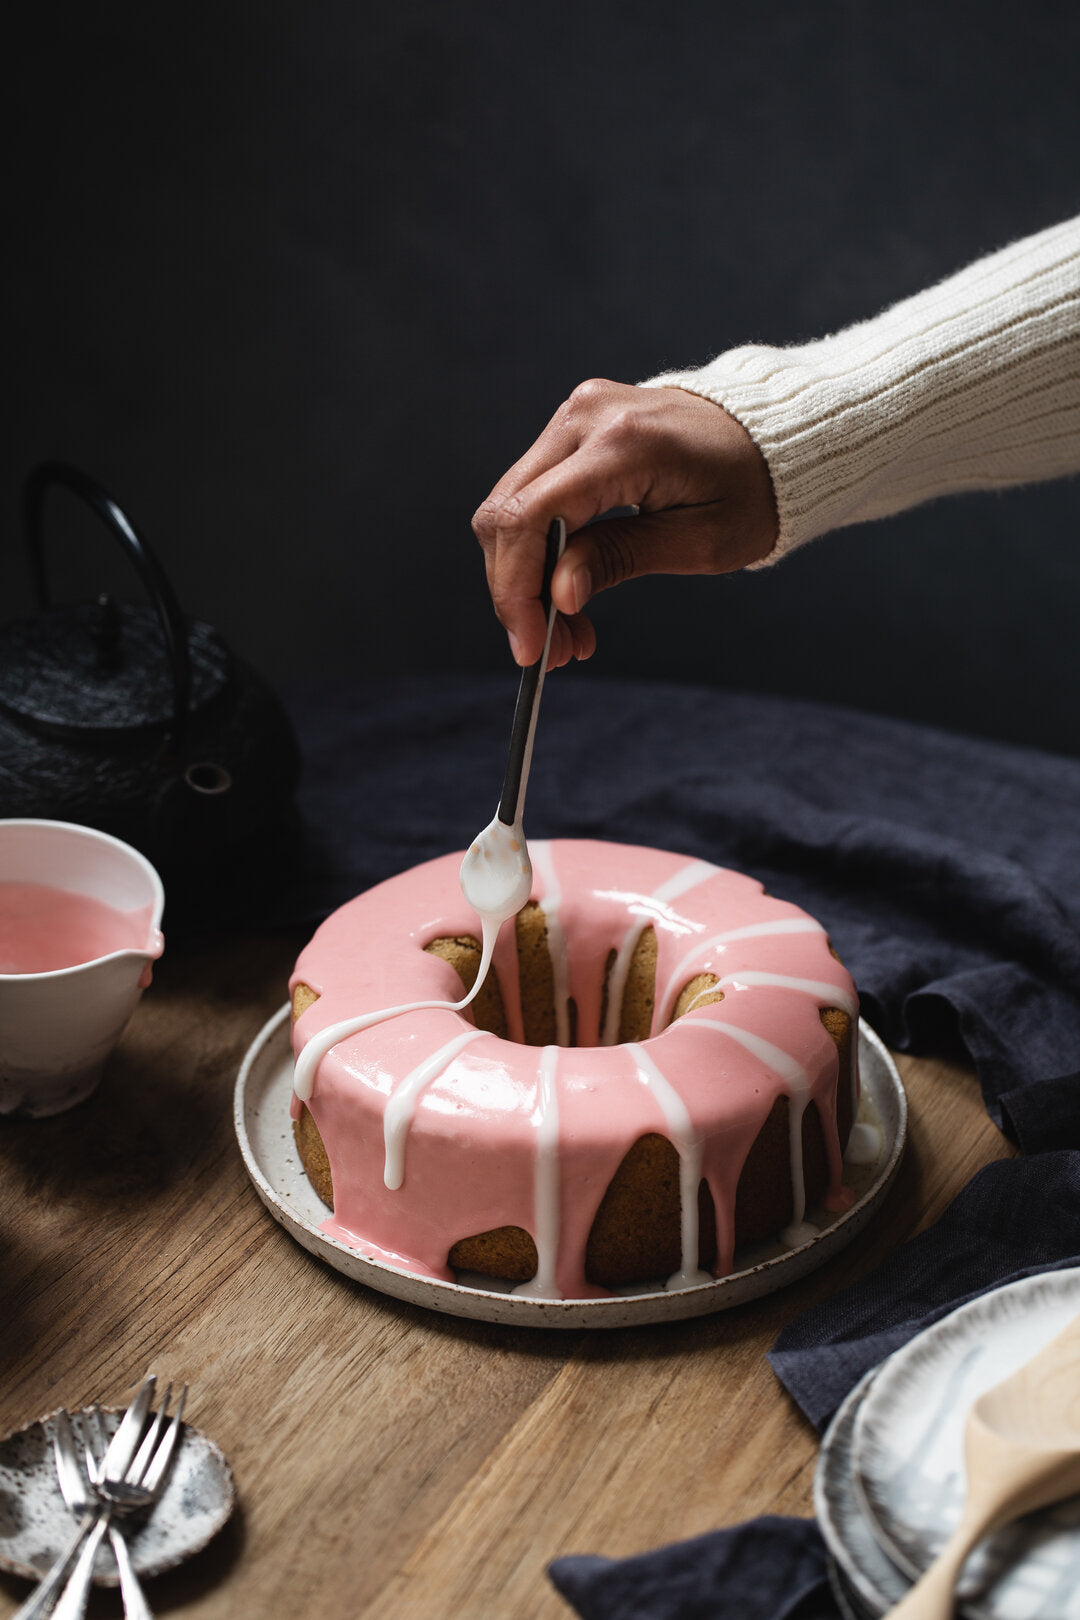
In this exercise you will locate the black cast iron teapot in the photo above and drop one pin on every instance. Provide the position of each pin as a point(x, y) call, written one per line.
point(134, 720)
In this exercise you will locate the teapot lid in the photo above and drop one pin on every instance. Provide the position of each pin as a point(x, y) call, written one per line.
point(102, 666)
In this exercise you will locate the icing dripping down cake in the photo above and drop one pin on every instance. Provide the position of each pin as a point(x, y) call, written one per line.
point(660, 1068)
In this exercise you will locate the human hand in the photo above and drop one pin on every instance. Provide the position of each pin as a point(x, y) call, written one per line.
point(701, 484)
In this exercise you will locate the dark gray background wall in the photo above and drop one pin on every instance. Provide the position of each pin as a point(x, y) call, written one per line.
point(299, 281)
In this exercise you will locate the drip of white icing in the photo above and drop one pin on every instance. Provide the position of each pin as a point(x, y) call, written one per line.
point(864, 1144)
point(700, 948)
point(798, 1233)
point(796, 1083)
point(546, 1236)
point(317, 1047)
point(496, 879)
point(560, 970)
point(688, 877)
point(689, 1149)
point(401, 1104)
point(831, 993)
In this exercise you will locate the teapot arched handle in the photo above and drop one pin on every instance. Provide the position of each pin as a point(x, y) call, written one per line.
point(150, 571)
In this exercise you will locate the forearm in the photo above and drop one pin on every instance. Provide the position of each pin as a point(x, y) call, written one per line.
point(972, 384)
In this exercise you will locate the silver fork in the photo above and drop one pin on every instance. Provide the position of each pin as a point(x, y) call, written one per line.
point(78, 1492)
point(123, 1455)
point(122, 1487)
point(121, 1451)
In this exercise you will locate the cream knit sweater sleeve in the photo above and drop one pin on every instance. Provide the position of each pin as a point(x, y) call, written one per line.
point(972, 384)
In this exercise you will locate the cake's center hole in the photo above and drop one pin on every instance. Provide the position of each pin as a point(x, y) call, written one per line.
point(628, 998)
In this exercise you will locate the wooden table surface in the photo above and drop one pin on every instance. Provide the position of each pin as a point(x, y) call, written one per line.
point(388, 1460)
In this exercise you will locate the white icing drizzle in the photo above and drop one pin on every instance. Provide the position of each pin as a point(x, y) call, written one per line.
point(688, 877)
point(689, 1149)
point(832, 994)
point(317, 1047)
point(798, 1233)
point(496, 880)
point(543, 1285)
point(560, 970)
point(401, 1104)
point(864, 1144)
point(796, 1083)
point(700, 948)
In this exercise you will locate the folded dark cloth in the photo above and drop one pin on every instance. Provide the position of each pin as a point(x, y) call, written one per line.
point(769, 1569)
point(946, 869)
point(1014, 1218)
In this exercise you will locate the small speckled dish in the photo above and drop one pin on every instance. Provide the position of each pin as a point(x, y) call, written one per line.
point(264, 1133)
point(36, 1524)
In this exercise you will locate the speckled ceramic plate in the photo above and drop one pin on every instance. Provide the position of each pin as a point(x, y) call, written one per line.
point(36, 1525)
point(908, 1453)
point(264, 1132)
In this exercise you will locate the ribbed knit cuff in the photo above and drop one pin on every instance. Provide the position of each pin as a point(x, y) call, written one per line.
point(972, 384)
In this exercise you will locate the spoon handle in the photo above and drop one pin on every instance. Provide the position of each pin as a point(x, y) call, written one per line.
point(1015, 1486)
point(528, 699)
point(933, 1597)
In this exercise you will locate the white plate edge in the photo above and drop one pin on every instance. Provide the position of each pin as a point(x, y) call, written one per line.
point(619, 1310)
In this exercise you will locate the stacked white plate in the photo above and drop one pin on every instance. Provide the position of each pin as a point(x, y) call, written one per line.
point(891, 1482)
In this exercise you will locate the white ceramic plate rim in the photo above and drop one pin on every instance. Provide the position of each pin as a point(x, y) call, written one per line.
point(285, 1195)
point(863, 1567)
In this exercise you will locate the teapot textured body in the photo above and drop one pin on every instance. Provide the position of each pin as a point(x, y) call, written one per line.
point(131, 719)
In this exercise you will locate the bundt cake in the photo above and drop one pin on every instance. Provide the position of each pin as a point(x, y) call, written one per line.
point(660, 1069)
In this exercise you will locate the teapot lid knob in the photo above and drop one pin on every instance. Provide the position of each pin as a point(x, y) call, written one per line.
point(107, 634)
point(156, 582)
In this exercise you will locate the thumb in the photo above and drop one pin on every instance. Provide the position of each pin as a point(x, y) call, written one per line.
point(607, 553)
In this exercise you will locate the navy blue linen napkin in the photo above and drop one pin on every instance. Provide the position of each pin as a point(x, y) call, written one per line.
point(947, 869)
point(1014, 1218)
point(769, 1569)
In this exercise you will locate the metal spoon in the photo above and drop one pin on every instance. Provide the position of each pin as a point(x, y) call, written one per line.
point(496, 874)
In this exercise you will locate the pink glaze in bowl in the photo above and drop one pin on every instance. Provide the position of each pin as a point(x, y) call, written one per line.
point(58, 1024)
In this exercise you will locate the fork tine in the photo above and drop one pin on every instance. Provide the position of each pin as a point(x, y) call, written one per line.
point(94, 1460)
point(125, 1442)
point(163, 1455)
point(66, 1458)
point(146, 1450)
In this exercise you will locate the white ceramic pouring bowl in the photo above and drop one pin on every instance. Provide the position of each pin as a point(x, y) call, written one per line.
point(58, 1028)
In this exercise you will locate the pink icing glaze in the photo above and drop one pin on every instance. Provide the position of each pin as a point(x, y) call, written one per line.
point(44, 929)
point(470, 1137)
